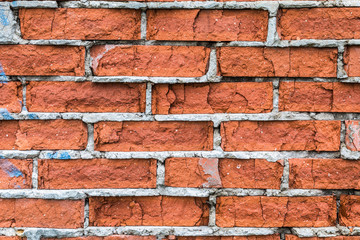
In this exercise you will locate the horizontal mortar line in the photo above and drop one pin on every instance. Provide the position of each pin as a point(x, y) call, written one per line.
point(318, 43)
point(73, 194)
point(175, 80)
point(216, 118)
point(74, 154)
point(266, 5)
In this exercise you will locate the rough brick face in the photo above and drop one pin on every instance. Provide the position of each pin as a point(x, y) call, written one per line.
point(259, 211)
point(352, 135)
point(10, 97)
point(81, 23)
point(349, 210)
point(148, 211)
point(15, 173)
point(97, 173)
point(352, 61)
point(246, 97)
point(277, 62)
point(153, 136)
point(38, 134)
point(207, 25)
point(85, 97)
point(154, 61)
point(41, 213)
point(280, 136)
point(324, 174)
point(319, 97)
point(113, 237)
point(222, 173)
point(319, 23)
point(42, 60)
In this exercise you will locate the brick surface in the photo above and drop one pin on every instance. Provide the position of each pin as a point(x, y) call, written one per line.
point(38, 134)
point(222, 173)
point(80, 23)
point(349, 212)
point(324, 174)
point(352, 61)
point(152, 61)
point(240, 97)
point(260, 211)
point(277, 62)
point(207, 25)
point(10, 97)
point(153, 136)
point(97, 173)
point(352, 135)
point(42, 213)
point(148, 211)
point(42, 60)
point(85, 97)
point(280, 136)
point(15, 173)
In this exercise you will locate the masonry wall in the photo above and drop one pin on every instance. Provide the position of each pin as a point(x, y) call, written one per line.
point(180, 120)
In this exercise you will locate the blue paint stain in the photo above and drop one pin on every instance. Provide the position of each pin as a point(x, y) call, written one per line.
point(3, 77)
point(56, 155)
point(5, 114)
point(14, 3)
point(10, 168)
point(3, 19)
point(33, 116)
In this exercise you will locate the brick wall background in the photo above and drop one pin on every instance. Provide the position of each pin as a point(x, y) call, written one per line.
point(180, 120)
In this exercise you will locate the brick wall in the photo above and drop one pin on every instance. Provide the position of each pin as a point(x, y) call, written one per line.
point(180, 120)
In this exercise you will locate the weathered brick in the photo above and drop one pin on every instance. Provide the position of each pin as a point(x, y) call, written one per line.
point(319, 23)
point(226, 173)
point(352, 135)
point(324, 174)
point(112, 237)
point(153, 136)
point(258, 237)
point(152, 61)
point(80, 23)
point(97, 173)
point(42, 60)
point(280, 135)
point(207, 25)
point(43, 134)
point(229, 97)
point(85, 97)
point(260, 211)
point(10, 97)
point(148, 211)
point(319, 97)
point(294, 237)
point(352, 61)
point(349, 212)
point(277, 62)
point(42, 213)
point(15, 173)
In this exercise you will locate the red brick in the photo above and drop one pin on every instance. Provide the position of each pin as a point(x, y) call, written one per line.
point(153, 136)
point(43, 134)
point(352, 135)
point(11, 97)
point(42, 213)
point(151, 61)
point(349, 212)
point(85, 97)
point(15, 173)
point(277, 62)
point(231, 97)
point(42, 60)
point(293, 237)
point(324, 174)
point(319, 23)
point(260, 211)
point(207, 25)
point(113, 237)
point(259, 237)
point(148, 211)
point(80, 23)
point(226, 173)
point(352, 61)
point(280, 136)
point(97, 173)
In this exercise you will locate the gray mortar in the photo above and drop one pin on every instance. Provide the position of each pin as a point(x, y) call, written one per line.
point(10, 34)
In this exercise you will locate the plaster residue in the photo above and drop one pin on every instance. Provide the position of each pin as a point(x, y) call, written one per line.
point(211, 167)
